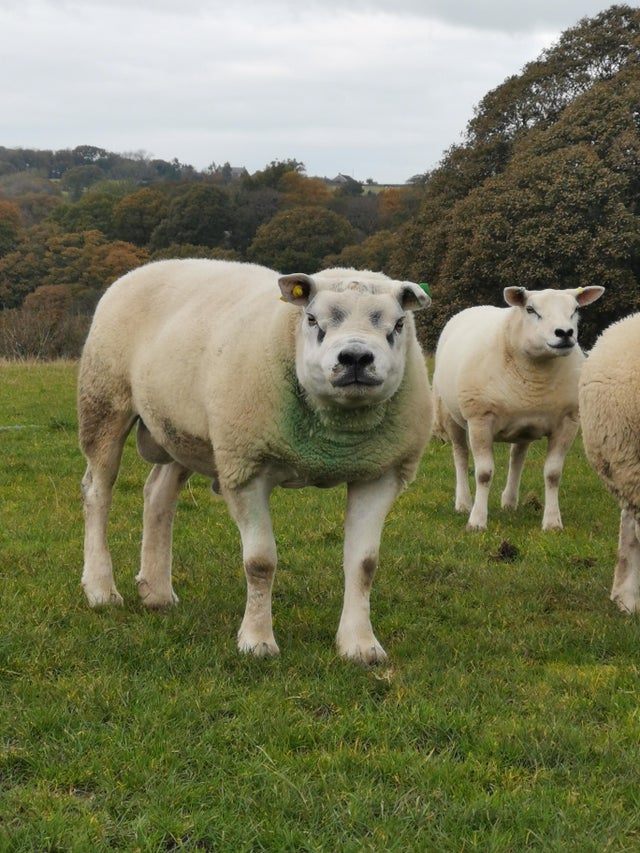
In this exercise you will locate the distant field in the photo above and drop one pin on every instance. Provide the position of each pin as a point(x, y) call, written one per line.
point(507, 718)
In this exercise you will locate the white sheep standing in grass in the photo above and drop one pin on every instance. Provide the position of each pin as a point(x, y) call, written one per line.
point(253, 380)
point(510, 375)
point(610, 418)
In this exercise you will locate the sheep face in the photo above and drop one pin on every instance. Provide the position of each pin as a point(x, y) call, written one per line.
point(549, 318)
point(351, 345)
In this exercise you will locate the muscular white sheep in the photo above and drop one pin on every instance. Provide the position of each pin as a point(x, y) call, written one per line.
point(510, 375)
point(610, 418)
point(254, 380)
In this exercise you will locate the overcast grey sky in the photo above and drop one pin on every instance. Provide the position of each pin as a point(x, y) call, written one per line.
point(371, 88)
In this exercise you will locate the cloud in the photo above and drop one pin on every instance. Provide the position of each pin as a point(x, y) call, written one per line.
point(368, 87)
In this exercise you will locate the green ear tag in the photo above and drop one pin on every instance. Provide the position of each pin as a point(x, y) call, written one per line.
point(425, 287)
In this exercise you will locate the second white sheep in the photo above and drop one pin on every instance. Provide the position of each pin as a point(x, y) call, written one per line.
point(510, 375)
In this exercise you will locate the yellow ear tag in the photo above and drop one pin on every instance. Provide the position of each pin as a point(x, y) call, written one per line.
point(297, 291)
point(580, 290)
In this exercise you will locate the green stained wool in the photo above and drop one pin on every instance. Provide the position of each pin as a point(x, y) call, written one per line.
point(339, 445)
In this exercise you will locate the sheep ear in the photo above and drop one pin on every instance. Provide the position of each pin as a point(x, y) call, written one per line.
point(587, 295)
point(412, 297)
point(296, 288)
point(516, 296)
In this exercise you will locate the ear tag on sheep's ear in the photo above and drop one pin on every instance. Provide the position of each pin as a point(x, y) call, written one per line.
point(297, 291)
point(424, 286)
point(579, 291)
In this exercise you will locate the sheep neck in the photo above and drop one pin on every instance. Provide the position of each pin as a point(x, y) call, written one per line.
point(342, 425)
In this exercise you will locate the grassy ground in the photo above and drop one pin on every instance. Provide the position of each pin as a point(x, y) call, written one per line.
point(507, 718)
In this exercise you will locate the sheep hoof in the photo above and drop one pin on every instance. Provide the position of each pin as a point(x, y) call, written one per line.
point(626, 602)
point(259, 648)
point(476, 527)
point(155, 600)
point(368, 653)
point(104, 598)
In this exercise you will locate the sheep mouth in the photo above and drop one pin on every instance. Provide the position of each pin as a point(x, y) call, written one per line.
point(351, 378)
point(563, 345)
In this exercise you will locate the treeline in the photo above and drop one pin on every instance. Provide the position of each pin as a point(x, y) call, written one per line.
point(72, 222)
point(543, 192)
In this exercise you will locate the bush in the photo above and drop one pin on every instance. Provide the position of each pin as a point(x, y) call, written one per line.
point(38, 335)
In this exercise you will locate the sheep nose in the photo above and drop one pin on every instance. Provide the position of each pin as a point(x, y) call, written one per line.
point(565, 334)
point(356, 357)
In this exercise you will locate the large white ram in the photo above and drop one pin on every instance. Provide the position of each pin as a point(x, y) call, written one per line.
point(610, 417)
point(254, 380)
point(510, 375)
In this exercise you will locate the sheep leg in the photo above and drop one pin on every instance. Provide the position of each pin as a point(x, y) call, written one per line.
point(460, 447)
point(367, 506)
point(481, 441)
point(104, 453)
point(161, 492)
point(626, 579)
point(249, 508)
point(557, 448)
point(517, 456)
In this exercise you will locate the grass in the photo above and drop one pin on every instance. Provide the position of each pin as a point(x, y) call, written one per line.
point(507, 718)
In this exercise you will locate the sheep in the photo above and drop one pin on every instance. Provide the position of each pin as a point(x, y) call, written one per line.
point(510, 375)
point(609, 395)
point(319, 382)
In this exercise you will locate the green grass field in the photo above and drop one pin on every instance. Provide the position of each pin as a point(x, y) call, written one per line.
point(506, 719)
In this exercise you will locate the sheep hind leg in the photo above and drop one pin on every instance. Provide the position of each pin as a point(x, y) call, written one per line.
point(626, 580)
point(103, 449)
point(557, 448)
point(161, 492)
point(460, 447)
point(517, 456)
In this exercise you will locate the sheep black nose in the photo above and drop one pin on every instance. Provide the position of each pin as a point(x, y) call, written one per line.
point(564, 333)
point(356, 357)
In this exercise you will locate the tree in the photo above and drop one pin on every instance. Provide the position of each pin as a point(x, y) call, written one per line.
point(78, 179)
point(297, 240)
point(201, 215)
point(10, 226)
point(299, 191)
point(373, 253)
point(137, 215)
point(272, 174)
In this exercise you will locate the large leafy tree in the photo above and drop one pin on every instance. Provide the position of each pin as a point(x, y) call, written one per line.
point(298, 240)
point(546, 191)
point(136, 216)
point(10, 226)
point(201, 215)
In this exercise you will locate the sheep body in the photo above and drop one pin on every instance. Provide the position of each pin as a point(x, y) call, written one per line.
point(510, 375)
point(610, 416)
point(323, 386)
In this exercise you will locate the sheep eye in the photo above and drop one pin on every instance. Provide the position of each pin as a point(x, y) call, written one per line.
point(399, 326)
point(532, 310)
point(311, 320)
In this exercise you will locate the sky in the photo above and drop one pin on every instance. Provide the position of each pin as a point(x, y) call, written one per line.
point(375, 89)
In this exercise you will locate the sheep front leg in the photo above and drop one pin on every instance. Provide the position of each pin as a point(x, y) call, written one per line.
point(367, 506)
point(161, 492)
point(481, 441)
point(557, 448)
point(626, 579)
point(249, 508)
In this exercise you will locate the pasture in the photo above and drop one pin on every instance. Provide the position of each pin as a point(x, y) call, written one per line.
point(506, 719)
